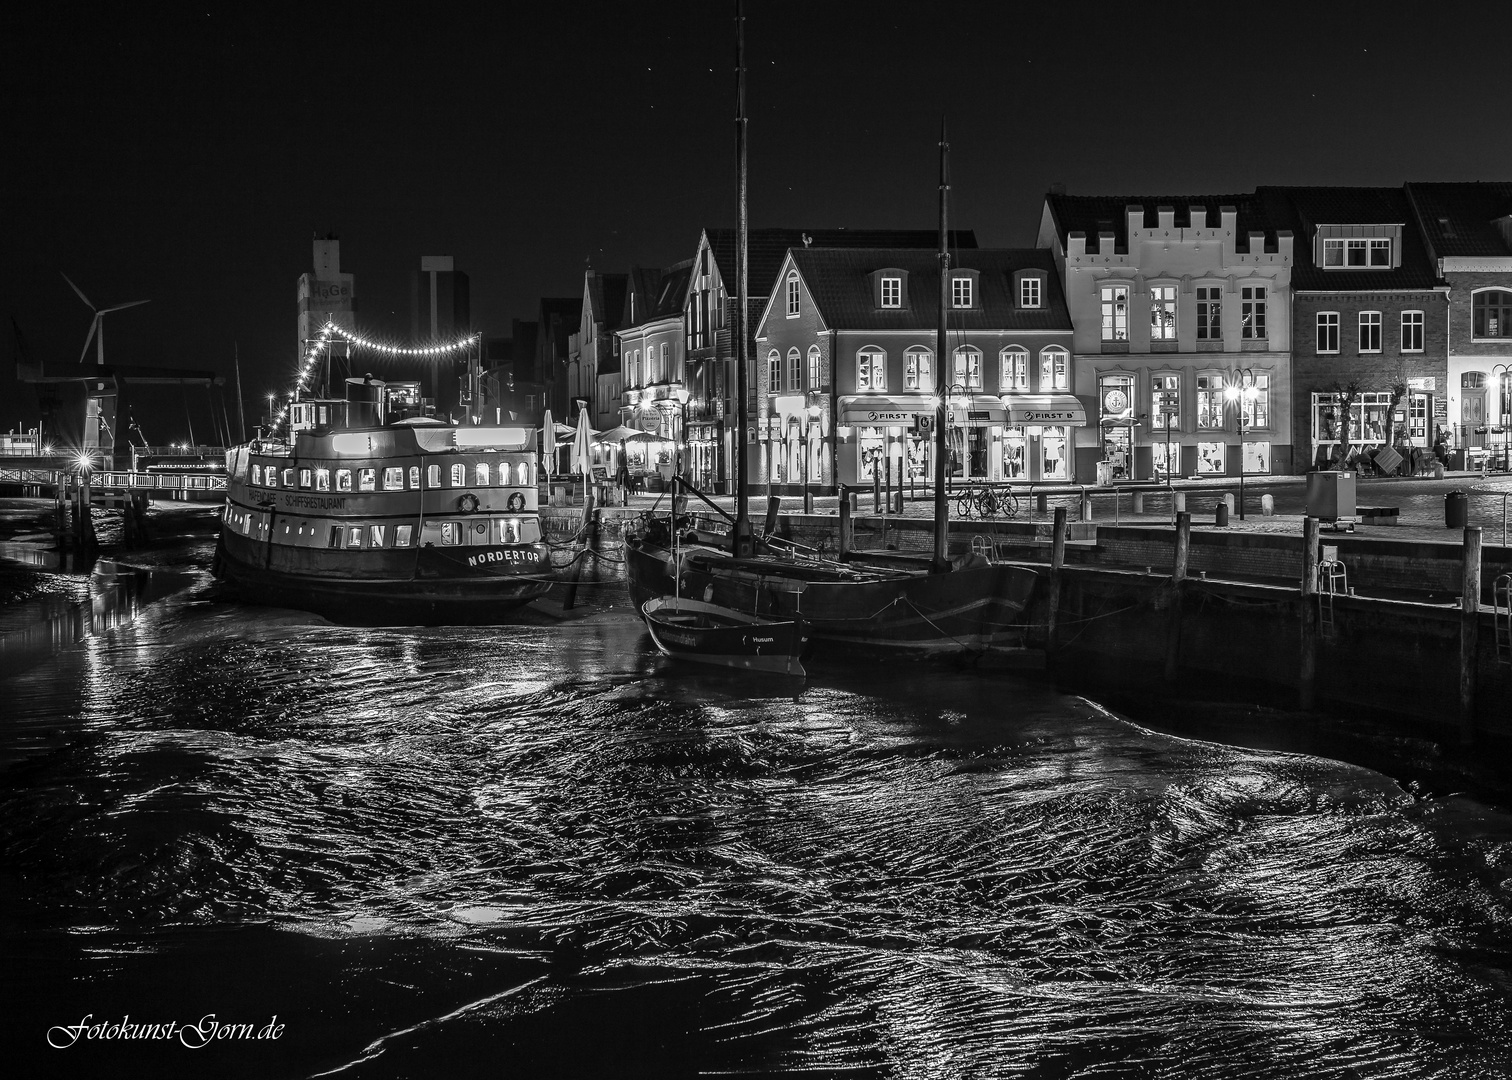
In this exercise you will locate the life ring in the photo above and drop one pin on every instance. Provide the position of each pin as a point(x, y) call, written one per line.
point(468, 503)
point(516, 501)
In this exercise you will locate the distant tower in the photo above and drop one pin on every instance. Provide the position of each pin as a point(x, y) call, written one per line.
point(439, 309)
point(326, 295)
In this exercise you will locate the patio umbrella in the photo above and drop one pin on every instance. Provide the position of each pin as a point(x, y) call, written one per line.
point(615, 434)
point(548, 446)
point(582, 447)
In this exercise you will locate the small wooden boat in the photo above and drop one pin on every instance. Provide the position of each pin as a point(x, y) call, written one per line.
point(713, 634)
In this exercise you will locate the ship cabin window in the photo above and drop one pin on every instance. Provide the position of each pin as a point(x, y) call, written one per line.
point(343, 479)
point(414, 478)
point(393, 478)
point(402, 534)
point(335, 540)
point(367, 479)
point(322, 479)
point(458, 474)
point(270, 476)
point(506, 474)
point(433, 476)
point(509, 530)
point(377, 531)
point(305, 476)
point(288, 478)
point(524, 474)
point(257, 474)
point(354, 536)
point(451, 532)
point(481, 473)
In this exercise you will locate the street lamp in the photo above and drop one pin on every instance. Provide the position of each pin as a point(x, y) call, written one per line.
point(808, 457)
point(271, 398)
point(1503, 373)
point(681, 394)
point(1241, 391)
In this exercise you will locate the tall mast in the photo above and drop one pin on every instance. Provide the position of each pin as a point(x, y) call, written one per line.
point(942, 365)
point(742, 467)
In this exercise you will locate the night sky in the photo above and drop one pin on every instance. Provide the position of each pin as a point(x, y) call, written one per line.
point(189, 158)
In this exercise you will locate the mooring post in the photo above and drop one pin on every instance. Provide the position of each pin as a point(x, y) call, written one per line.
point(590, 528)
point(1469, 632)
point(1053, 585)
point(845, 521)
point(1086, 505)
point(1307, 672)
point(1178, 588)
point(774, 507)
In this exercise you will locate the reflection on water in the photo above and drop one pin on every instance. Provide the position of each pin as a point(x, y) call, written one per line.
point(537, 850)
point(78, 608)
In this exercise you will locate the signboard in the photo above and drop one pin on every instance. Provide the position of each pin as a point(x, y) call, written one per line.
point(1422, 384)
point(926, 423)
point(1048, 416)
point(879, 416)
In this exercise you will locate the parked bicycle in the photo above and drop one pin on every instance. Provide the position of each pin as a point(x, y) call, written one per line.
point(986, 501)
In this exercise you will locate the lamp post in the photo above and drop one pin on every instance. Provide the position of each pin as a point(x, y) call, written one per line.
point(955, 398)
point(681, 394)
point(812, 420)
point(1241, 391)
point(1503, 373)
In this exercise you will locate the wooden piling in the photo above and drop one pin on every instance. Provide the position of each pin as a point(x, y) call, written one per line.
point(590, 528)
point(1053, 585)
point(774, 508)
point(1307, 672)
point(1469, 631)
point(846, 538)
point(1178, 592)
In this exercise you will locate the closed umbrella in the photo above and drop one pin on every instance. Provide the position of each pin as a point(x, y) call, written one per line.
point(548, 446)
point(582, 447)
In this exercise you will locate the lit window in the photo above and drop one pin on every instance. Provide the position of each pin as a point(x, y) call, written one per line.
point(1370, 331)
point(402, 534)
point(1412, 331)
point(305, 476)
point(1162, 313)
point(375, 532)
point(414, 477)
point(288, 478)
point(792, 294)
point(1165, 401)
point(960, 292)
point(1115, 313)
point(480, 474)
point(509, 530)
point(795, 371)
point(343, 479)
point(1209, 313)
point(270, 476)
point(968, 367)
point(1328, 331)
point(506, 473)
point(367, 479)
point(451, 533)
point(393, 478)
point(1252, 312)
point(1029, 292)
point(1256, 399)
point(458, 474)
point(815, 375)
point(522, 474)
point(774, 371)
point(1210, 460)
point(1493, 314)
point(433, 476)
point(354, 536)
point(1015, 368)
point(892, 292)
point(871, 369)
point(322, 479)
point(257, 474)
point(1053, 364)
point(1210, 402)
point(1333, 252)
point(917, 373)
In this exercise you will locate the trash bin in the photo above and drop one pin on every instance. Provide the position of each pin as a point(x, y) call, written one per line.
point(1104, 473)
point(1221, 514)
point(1456, 510)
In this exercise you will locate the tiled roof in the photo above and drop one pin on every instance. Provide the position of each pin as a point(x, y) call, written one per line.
point(673, 292)
point(642, 287)
point(612, 287)
point(765, 248)
point(1093, 214)
point(839, 279)
point(1460, 219)
point(1303, 209)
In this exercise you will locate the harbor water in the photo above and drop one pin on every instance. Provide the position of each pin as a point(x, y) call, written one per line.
point(539, 850)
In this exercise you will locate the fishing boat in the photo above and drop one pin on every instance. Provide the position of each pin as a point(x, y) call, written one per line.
point(371, 514)
point(687, 629)
point(943, 603)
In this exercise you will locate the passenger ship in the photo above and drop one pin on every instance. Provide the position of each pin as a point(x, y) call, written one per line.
point(414, 521)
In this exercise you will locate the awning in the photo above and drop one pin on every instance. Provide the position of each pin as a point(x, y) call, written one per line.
point(881, 411)
point(1045, 409)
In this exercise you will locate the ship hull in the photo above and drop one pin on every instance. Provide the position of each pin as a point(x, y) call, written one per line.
point(709, 634)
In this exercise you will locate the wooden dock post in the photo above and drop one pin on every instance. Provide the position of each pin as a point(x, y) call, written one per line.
point(1307, 672)
point(774, 508)
point(590, 528)
point(845, 521)
point(1469, 632)
point(1057, 560)
point(1178, 590)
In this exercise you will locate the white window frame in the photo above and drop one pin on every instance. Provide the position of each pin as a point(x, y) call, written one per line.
point(814, 380)
point(1253, 302)
point(1371, 319)
point(966, 367)
point(774, 372)
point(1210, 401)
point(1055, 368)
point(1412, 331)
point(794, 308)
point(892, 292)
point(1209, 313)
point(1159, 419)
point(1327, 321)
point(1030, 291)
point(1115, 312)
point(871, 369)
point(1162, 313)
point(794, 371)
point(1013, 371)
point(1380, 244)
point(918, 368)
point(961, 292)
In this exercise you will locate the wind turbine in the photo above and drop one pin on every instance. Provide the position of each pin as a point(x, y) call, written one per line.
point(97, 325)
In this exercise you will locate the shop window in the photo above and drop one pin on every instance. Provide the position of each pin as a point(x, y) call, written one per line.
point(1015, 368)
point(1257, 458)
point(1055, 461)
point(1166, 456)
point(1210, 459)
point(1165, 401)
point(1014, 456)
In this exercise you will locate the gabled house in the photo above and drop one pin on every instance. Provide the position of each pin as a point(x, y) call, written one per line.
point(847, 375)
point(593, 373)
point(1468, 232)
point(1369, 323)
point(650, 341)
point(1181, 309)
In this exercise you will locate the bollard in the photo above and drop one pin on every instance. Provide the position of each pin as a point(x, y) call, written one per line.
point(1139, 502)
point(1086, 505)
point(1267, 505)
point(1470, 590)
point(1178, 502)
point(1228, 500)
point(1222, 515)
point(845, 521)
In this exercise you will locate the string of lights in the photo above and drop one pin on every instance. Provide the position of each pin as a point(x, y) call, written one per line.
point(318, 344)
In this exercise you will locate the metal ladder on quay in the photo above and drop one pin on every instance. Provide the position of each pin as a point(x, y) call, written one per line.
point(1501, 600)
point(1333, 580)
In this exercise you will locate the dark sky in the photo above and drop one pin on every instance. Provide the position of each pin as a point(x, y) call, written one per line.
point(189, 158)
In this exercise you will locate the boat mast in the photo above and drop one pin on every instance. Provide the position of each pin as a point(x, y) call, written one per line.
point(941, 506)
point(743, 543)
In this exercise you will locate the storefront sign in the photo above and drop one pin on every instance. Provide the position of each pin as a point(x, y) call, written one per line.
point(877, 416)
point(1422, 384)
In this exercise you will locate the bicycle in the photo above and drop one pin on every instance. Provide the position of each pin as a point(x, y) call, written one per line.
point(986, 501)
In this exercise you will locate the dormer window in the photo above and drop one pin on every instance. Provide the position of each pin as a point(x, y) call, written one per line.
point(1030, 291)
point(892, 292)
point(1355, 253)
point(961, 292)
